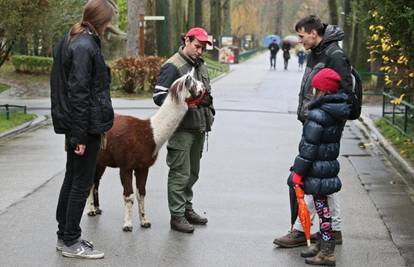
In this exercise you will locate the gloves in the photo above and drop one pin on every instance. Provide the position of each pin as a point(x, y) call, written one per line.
point(297, 179)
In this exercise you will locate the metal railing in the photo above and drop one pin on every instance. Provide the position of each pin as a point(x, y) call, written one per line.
point(399, 113)
point(8, 109)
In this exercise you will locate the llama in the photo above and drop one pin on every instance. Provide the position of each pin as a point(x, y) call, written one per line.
point(133, 145)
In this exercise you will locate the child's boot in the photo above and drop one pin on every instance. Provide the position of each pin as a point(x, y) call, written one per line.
point(313, 250)
point(326, 255)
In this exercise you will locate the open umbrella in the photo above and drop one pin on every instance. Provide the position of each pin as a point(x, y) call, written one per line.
point(291, 39)
point(303, 212)
point(268, 39)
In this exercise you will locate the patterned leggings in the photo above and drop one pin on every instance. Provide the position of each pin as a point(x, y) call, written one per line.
point(325, 221)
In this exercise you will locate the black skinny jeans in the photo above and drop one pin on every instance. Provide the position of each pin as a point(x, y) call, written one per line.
point(79, 177)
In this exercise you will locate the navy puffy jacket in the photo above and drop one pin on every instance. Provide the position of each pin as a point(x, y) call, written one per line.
point(319, 147)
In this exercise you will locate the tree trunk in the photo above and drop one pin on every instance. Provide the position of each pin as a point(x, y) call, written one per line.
point(135, 8)
point(226, 17)
point(198, 13)
point(333, 12)
point(347, 27)
point(150, 28)
point(215, 18)
point(163, 31)
point(191, 14)
point(279, 17)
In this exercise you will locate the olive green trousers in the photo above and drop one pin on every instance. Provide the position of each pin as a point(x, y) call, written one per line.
point(183, 159)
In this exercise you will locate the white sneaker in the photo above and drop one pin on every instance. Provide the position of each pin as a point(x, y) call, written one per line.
point(82, 249)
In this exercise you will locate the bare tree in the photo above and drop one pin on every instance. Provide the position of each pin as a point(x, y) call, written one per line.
point(279, 17)
point(333, 12)
point(215, 18)
point(163, 30)
point(135, 8)
point(347, 26)
point(226, 7)
point(198, 13)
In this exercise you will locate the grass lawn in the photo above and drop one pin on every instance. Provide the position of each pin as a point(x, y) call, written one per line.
point(404, 144)
point(16, 119)
point(3, 87)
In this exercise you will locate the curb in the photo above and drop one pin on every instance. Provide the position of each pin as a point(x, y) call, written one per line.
point(366, 125)
point(24, 127)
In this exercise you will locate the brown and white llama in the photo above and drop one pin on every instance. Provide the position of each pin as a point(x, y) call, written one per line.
point(133, 145)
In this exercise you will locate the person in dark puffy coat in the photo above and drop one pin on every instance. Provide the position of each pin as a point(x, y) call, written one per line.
point(316, 167)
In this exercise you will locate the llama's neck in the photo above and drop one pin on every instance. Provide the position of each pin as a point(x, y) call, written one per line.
point(166, 121)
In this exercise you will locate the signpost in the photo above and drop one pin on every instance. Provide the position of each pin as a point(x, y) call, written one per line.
point(142, 19)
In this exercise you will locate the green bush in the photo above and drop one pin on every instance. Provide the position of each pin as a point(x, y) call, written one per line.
point(32, 64)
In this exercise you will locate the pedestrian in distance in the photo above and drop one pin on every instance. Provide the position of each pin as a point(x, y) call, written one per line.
point(273, 48)
point(82, 110)
point(185, 147)
point(316, 167)
point(286, 54)
point(322, 41)
point(301, 59)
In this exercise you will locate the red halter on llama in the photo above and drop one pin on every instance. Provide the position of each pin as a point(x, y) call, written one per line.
point(133, 145)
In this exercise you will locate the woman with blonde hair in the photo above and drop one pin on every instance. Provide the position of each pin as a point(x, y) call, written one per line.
point(82, 110)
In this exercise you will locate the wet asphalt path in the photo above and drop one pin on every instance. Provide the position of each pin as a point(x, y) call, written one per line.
point(242, 189)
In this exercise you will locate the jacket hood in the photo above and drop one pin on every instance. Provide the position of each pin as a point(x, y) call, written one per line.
point(333, 33)
point(335, 105)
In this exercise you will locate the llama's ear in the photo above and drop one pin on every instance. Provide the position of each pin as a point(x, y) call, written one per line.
point(192, 72)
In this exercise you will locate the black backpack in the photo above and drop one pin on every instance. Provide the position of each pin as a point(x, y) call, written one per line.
point(356, 93)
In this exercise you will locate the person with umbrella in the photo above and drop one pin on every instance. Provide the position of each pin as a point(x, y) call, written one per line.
point(315, 169)
point(322, 42)
point(273, 48)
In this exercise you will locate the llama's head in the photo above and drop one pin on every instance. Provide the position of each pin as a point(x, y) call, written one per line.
point(186, 88)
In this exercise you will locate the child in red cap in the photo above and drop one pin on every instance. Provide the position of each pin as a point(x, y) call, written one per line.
point(316, 167)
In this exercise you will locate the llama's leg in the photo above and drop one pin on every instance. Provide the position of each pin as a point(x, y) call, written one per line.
point(141, 180)
point(93, 199)
point(126, 179)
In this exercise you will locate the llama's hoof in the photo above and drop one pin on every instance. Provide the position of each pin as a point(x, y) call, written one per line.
point(98, 211)
point(92, 213)
point(127, 228)
point(146, 225)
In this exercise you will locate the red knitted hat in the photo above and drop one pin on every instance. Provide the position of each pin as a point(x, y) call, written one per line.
point(326, 80)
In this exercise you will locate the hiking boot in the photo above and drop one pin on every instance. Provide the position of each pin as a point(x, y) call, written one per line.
point(59, 244)
point(193, 218)
point(337, 235)
point(180, 224)
point(82, 249)
point(325, 256)
point(294, 238)
point(311, 251)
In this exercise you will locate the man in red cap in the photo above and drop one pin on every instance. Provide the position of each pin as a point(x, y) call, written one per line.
point(186, 144)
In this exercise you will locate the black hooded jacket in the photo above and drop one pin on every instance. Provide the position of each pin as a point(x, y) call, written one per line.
point(319, 147)
point(80, 79)
point(326, 55)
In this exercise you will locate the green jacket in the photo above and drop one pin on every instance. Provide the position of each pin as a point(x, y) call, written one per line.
point(199, 118)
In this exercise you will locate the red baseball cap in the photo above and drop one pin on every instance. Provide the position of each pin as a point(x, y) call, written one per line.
point(200, 34)
point(326, 80)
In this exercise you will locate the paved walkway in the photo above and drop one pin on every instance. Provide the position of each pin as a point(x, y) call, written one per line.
point(242, 189)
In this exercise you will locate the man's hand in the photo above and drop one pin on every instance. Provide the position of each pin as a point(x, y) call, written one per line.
point(80, 149)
